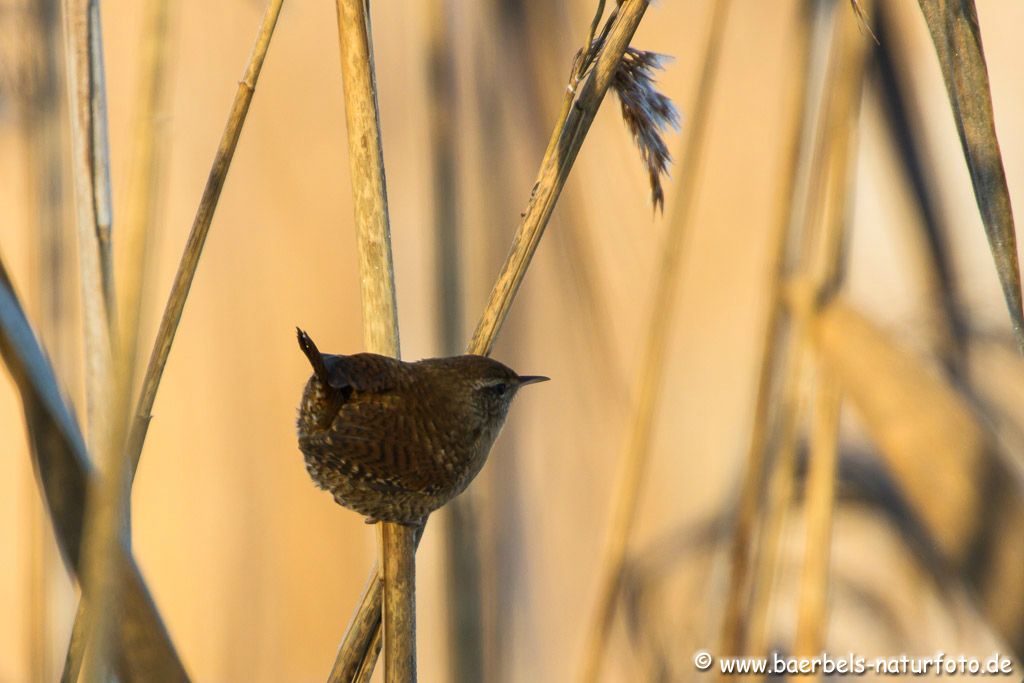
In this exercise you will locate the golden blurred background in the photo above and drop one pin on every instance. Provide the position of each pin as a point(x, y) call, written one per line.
point(256, 572)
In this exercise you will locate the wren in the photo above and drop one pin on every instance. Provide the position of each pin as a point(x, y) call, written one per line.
point(394, 441)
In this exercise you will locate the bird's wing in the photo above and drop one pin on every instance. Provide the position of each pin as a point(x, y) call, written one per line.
point(366, 372)
point(362, 373)
point(374, 441)
point(371, 435)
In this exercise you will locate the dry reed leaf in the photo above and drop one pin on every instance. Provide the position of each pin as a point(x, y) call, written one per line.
point(954, 28)
point(940, 455)
point(65, 473)
point(930, 439)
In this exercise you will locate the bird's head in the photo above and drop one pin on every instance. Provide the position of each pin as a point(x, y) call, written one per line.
point(487, 385)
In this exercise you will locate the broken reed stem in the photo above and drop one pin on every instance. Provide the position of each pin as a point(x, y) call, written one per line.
point(634, 460)
point(380, 316)
point(356, 652)
point(369, 662)
point(197, 237)
point(819, 500)
point(362, 633)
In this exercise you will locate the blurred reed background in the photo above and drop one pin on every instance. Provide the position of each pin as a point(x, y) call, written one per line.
point(883, 512)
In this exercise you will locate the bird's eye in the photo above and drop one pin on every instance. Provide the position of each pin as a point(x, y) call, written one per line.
point(499, 389)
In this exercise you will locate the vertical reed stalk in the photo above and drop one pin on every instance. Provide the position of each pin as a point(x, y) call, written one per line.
point(638, 446)
point(812, 615)
point(134, 439)
point(148, 158)
point(105, 528)
point(773, 359)
point(90, 169)
point(108, 498)
point(380, 315)
point(461, 540)
point(101, 161)
point(356, 652)
point(398, 558)
point(83, 65)
point(817, 276)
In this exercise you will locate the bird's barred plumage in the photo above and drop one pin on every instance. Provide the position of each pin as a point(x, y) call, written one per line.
point(393, 440)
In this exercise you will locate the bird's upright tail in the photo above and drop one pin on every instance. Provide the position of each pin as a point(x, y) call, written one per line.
point(316, 359)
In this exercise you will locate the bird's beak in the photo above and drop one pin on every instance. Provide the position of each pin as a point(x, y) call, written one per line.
point(532, 379)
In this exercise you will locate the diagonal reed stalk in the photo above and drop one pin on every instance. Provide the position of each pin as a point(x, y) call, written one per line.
point(197, 236)
point(955, 31)
point(397, 544)
point(43, 125)
point(638, 445)
point(570, 131)
point(357, 651)
point(67, 476)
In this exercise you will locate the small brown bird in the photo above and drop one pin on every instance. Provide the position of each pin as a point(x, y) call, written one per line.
point(395, 441)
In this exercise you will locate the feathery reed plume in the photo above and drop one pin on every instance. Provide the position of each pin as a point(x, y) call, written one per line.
point(647, 113)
